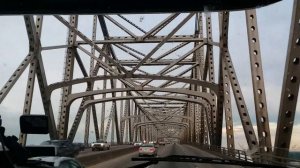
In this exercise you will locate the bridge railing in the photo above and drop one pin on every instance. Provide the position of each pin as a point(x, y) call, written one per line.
point(256, 157)
point(277, 160)
point(232, 153)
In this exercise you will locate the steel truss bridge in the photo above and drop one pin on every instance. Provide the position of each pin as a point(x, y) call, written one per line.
point(153, 93)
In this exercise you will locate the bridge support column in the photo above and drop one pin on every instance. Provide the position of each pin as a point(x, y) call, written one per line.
point(290, 88)
point(68, 75)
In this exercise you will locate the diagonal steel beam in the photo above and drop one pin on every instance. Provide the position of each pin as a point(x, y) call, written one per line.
point(134, 25)
point(162, 24)
point(120, 26)
point(90, 42)
point(162, 42)
point(175, 62)
point(128, 52)
point(262, 119)
point(170, 51)
point(290, 88)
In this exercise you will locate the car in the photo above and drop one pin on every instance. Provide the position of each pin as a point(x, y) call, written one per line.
point(55, 161)
point(80, 146)
point(161, 143)
point(100, 145)
point(147, 150)
point(137, 144)
point(63, 147)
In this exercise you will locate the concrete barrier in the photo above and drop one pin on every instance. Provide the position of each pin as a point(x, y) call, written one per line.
point(92, 159)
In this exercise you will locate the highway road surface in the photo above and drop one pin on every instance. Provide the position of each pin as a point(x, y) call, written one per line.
point(172, 149)
point(90, 152)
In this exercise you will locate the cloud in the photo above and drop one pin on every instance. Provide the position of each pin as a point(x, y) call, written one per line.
point(241, 143)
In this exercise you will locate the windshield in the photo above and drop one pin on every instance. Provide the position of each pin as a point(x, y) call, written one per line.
point(100, 141)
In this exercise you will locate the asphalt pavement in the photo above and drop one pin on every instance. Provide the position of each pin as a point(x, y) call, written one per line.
point(171, 149)
point(89, 151)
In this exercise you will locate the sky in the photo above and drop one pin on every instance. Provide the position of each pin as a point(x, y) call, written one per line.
point(273, 25)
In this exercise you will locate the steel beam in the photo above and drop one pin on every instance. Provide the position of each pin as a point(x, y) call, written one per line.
point(262, 119)
point(31, 78)
point(68, 76)
point(212, 86)
point(241, 105)
point(162, 42)
point(290, 88)
point(206, 96)
point(218, 116)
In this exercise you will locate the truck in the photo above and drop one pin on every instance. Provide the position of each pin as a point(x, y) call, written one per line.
point(100, 145)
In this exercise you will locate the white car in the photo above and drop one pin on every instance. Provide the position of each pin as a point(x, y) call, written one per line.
point(137, 143)
point(100, 145)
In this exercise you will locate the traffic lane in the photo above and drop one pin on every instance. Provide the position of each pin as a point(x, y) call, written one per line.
point(89, 151)
point(125, 160)
point(190, 151)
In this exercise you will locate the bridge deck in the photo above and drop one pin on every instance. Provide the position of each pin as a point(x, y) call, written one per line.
point(173, 149)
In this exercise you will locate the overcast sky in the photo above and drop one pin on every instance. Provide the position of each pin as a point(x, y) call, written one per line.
point(273, 22)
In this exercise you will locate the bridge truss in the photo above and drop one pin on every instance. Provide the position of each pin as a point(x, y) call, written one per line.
point(151, 81)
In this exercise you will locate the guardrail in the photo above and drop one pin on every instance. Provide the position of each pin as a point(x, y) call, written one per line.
point(256, 157)
point(273, 159)
point(232, 153)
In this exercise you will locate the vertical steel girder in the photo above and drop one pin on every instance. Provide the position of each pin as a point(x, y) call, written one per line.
point(35, 51)
point(123, 121)
point(130, 109)
point(126, 121)
point(135, 113)
point(206, 127)
point(112, 132)
point(218, 117)
point(262, 119)
point(290, 87)
point(68, 75)
point(95, 120)
point(115, 119)
point(87, 126)
point(31, 78)
point(109, 121)
point(199, 74)
point(228, 110)
point(225, 100)
point(103, 108)
point(211, 76)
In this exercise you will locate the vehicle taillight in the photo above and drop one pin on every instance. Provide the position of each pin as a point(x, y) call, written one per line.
point(152, 149)
point(140, 149)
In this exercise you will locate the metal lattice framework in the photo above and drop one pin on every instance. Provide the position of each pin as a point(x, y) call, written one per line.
point(179, 92)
